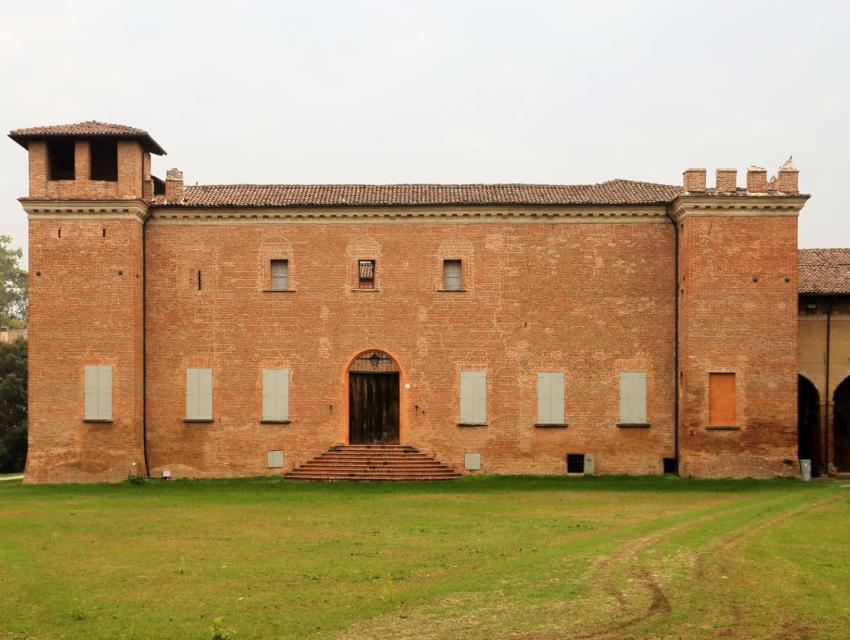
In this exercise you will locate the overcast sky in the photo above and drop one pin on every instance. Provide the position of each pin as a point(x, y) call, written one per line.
point(444, 91)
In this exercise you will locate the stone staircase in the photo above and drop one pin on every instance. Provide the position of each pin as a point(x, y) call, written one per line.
point(373, 462)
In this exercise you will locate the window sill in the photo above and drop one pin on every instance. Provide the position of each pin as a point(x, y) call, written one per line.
point(97, 420)
point(364, 290)
point(279, 290)
point(633, 425)
point(198, 420)
point(451, 290)
point(551, 425)
point(472, 424)
point(722, 427)
point(276, 421)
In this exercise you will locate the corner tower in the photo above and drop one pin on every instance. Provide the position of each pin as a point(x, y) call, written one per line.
point(89, 190)
point(737, 311)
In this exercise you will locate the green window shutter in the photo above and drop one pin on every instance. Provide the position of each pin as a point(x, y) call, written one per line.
point(104, 393)
point(282, 394)
point(199, 394)
point(192, 391)
point(550, 398)
point(276, 394)
point(268, 394)
point(473, 397)
point(633, 397)
point(205, 394)
point(91, 386)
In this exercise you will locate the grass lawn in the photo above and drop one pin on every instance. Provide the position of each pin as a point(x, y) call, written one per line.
point(483, 557)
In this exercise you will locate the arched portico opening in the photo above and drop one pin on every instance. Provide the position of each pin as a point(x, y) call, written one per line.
point(808, 424)
point(373, 399)
point(841, 426)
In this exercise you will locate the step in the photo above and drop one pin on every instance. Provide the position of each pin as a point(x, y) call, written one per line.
point(373, 462)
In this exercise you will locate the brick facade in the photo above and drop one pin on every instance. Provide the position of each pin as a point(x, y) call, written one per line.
point(585, 286)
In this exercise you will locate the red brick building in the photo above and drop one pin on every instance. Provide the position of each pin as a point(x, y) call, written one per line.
point(228, 330)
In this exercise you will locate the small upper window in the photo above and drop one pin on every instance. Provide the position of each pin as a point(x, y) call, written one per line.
point(452, 280)
point(280, 275)
point(366, 274)
point(60, 155)
point(104, 160)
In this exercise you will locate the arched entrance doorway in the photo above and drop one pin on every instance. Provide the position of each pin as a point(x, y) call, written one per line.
point(373, 399)
point(808, 424)
point(841, 426)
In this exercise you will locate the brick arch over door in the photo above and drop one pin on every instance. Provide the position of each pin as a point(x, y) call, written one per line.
point(374, 398)
point(841, 426)
point(808, 423)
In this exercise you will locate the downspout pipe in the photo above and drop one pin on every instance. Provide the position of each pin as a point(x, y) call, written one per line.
point(827, 418)
point(676, 373)
point(144, 347)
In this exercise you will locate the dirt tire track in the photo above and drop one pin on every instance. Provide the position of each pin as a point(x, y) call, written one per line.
point(722, 551)
point(659, 603)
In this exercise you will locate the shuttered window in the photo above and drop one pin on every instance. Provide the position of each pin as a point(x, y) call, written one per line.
point(452, 275)
point(199, 394)
point(633, 398)
point(473, 397)
point(98, 392)
point(550, 398)
point(366, 274)
point(721, 399)
point(280, 275)
point(276, 395)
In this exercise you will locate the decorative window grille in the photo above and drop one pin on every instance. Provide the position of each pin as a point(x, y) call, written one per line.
point(374, 362)
point(366, 274)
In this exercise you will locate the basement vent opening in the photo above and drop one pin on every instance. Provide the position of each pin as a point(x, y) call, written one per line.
point(575, 463)
point(671, 466)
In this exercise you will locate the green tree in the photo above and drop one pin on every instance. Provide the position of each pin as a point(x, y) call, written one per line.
point(13, 286)
point(13, 406)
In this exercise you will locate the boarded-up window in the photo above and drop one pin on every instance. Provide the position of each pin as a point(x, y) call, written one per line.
point(473, 397)
point(633, 398)
point(366, 274)
point(550, 398)
point(280, 275)
point(452, 275)
point(721, 399)
point(98, 392)
point(199, 394)
point(276, 395)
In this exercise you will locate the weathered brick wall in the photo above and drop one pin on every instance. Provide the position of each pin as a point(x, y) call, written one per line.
point(132, 161)
point(85, 305)
point(588, 299)
point(738, 301)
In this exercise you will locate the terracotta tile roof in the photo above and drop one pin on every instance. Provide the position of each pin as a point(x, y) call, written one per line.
point(824, 271)
point(90, 128)
point(612, 192)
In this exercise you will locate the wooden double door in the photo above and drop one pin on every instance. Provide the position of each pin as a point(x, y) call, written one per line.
point(373, 407)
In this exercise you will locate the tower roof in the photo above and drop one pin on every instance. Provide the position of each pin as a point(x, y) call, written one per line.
point(88, 129)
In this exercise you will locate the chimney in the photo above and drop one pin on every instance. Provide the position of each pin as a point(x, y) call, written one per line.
point(788, 178)
point(756, 179)
point(694, 180)
point(727, 180)
point(174, 185)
